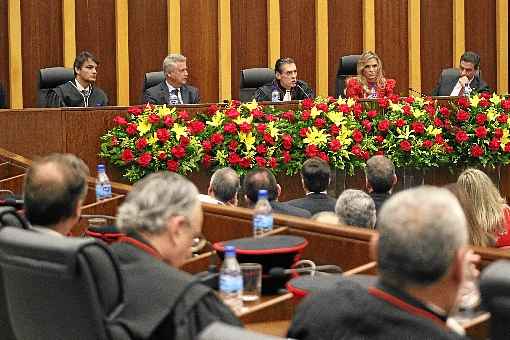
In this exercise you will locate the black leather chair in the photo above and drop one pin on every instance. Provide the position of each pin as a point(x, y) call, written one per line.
point(346, 68)
point(60, 288)
point(50, 78)
point(152, 79)
point(9, 217)
point(222, 331)
point(251, 80)
point(495, 292)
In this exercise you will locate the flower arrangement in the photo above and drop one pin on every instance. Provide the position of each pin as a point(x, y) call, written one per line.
point(412, 131)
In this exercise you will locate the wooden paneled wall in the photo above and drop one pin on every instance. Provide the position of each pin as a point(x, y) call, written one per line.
point(349, 27)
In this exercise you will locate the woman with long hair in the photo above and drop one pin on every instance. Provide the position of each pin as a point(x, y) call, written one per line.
point(370, 81)
point(490, 209)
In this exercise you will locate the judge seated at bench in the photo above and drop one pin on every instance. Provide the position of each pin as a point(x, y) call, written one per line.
point(81, 91)
point(174, 90)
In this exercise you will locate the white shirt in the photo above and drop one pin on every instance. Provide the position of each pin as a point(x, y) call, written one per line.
point(171, 88)
point(458, 87)
point(208, 199)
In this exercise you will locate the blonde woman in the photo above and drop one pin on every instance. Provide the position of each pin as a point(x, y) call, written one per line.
point(370, 81)
point(490, 209)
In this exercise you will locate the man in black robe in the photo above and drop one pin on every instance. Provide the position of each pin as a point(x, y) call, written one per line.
point(422, 258)
point(81, 91)
point(161, 217)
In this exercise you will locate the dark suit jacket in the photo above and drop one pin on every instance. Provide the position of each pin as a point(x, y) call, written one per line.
point(159, 95)
point(449, 77)
point(299, 92)
point(287, 209)
point(314, 203)
point(67, 95)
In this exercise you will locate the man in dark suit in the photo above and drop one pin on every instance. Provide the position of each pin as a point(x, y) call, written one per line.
point(380, 179)
point(315, 177)
point(463, 81)
point(263, 179)
point(173, 90)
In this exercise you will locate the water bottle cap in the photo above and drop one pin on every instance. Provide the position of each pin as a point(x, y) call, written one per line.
point(230, 250)
point(262, 194)
point(100, 167)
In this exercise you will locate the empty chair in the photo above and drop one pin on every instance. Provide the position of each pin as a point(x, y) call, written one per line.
point(60, 288)
point(347, 67)
point(49, 78)
point(251, 80)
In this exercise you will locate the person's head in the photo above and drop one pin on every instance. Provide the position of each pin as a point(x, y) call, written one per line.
point(315, 175)
point(421, 243)
point(54, 189)
point(488, 204)
point(175, 69)
point(469, 64)
point(224, 186)
point(164, 207)
point(85, 68)
point(260, 179)
point(356, 208)
point(370, 67)
point(380, 174)
point(286, 72)
point(477, 236)
point(328, 217)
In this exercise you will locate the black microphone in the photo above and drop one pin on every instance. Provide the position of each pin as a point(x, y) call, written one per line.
point(418, 92)
point(282, 272)
point(307, 95)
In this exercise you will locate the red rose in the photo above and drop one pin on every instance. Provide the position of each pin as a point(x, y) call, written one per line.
point(305, 115)
point(120, 120)
point(357, 136)
point(135, 110)
point(371, 114)
point(463, 102)
point(145, 159)
point(485, 95)
point(261, 128)
point(268, 139)
point(323, 107)
point(153, 118)
point(232, 146)
point(206, 144)
point(261, 162)
point(494, 144)
point(405, 146)
point(307, 104)
point(498, 133)
point(230, 128)
point(234, 158)
point(481, 132)
point(163, 135)
point(131, 129)
point(272, 163)
point(383, 125)
point(366, 125)
point(184, 115)
point(481, 118)
point(462, 116)
point(257, 114)
point(477, 151)
point(379, 153)
point(358, 108)
point(195, 127)
point(141, 143)
point(261, 149)
point(448, 148)
point(178, 151)
point(162, 155)
point(127, 156)
point(431, 110)
point(172, 165)
point(427, 144)
point(303, 132)
point(418, 127)
point(383, 103)
point(409, 100)
point(461, 136)
point(184, 141)
point(232, 113)
point(270, 117)
point(444, 111)
point(245, 127)
point(400, 123)
point(344, 108)
point(379, 139)
point(356, 151)
point(235, 103)
point(334, 130)
point(168, 120)
point(287, 141)
point(407, 110)
point(507, 147)
point(206, 160)
point(439, 139)
point(438, 122)
point(245, 163)
point(484, 102)
point(211, 110)
point(289, 115)
point(335, 145)
point(505, 105)
point(322, 155)
point(319, 122)
point(114, 141)
point(502, 118)
point(286, 157)
point(217, 138)
point(311, 151)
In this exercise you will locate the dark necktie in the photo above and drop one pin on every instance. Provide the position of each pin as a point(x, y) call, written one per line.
point(174, 97)
point(86, 95)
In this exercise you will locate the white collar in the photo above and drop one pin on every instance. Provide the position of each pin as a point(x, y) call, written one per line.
point(322, 192)
point(81, 88)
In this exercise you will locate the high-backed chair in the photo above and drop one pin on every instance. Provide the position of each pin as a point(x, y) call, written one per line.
point(50, 78)
point(251, 80)
point(151, 79)
point(495, 292)
point(346, 68)
point(60, 288)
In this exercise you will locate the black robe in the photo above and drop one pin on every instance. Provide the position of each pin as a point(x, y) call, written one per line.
point(67, 95)
point(301, 91)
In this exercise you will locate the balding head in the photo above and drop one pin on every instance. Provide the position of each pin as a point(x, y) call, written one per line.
point(380, 174)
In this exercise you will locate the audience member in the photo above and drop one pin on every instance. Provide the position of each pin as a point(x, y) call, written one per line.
point(464, 81)
point(54, 190)
point(356, 208)
point(223, 188)
point(491, 211)
point(315, 177)
point(286, 83)
point(422, 257)
point(370, 81)
point(380, 179)
point(81, 92)
point(161, 216)
point(328, 217)
point(174, 89)
point(263, 179)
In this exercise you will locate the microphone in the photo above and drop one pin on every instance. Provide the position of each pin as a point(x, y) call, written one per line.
point(307, 95)
point(282, 272)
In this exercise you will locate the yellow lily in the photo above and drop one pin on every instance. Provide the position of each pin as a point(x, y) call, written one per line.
point(336, 117)
point(419, 100)
point(153, 139)
point(179, 130)
point(165, 111)
point(316, 137)
point(504, 138)
point(143, 126)
point(491, 114)
point(251, 106)
point(217, 119)
point(239, 120)
point(404, 133)
point(417, 113)
point(396, 107)
point(248, 140)
point(341, 101)
point(433, 131)
point(350, 102)
point(474, 101)
point(221, 156)
point(495, 99)
point(314, 112)
point(273, 130)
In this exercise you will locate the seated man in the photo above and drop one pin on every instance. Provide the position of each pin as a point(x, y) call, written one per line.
point(421, 255)
point(81, 92)
point(286, 83)
point(380, 178)
point(466, 80)
point(173, 90)
point(54, 189)
point(356, 208)
point(223, 188)
point(161, 217)
point(263, 179)
point(315, 177)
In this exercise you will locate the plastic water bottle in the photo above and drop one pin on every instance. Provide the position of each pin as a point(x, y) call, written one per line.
point(103, 185)
point(373, 93)
point(231, 281)
point(262, 216)
point(275, 95)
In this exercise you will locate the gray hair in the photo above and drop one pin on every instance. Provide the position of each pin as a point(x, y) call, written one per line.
point(380, 173)
point(356, 208)
point(171, 60)
point(225, 184)
point(154, 200)
point(420, 231)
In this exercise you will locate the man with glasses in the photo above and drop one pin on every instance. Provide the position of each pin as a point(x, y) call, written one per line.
point(285, 84)
point(162, 218)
